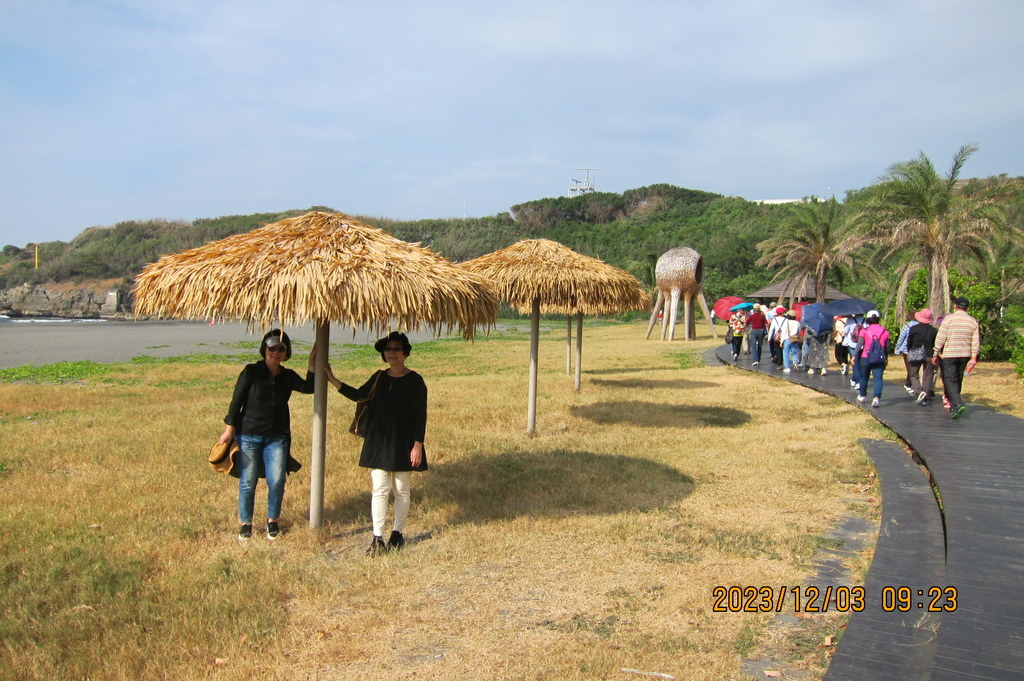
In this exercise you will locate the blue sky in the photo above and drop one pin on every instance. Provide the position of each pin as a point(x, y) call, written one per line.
point(132, 109)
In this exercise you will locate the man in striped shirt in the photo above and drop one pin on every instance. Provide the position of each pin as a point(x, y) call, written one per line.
point(956, 347)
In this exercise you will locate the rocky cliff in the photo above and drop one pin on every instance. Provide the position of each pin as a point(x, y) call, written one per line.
point(64, 301)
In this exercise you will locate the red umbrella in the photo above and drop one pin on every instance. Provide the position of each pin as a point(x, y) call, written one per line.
point(722, 305)
point(799, 309)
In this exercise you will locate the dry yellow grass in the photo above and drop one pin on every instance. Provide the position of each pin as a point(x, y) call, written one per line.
point(590, 548)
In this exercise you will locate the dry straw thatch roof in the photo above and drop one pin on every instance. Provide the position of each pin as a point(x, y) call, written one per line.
point(565, 281)
point(318, 266)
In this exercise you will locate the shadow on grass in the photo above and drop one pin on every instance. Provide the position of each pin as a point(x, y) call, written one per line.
point(555, 483)
point(486, 487)
point(674, 383)
point(655, 415)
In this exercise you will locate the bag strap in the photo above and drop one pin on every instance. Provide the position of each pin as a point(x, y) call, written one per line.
point(373, 388)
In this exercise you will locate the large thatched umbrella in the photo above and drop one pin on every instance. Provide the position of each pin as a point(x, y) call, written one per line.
point(538, 275)
point(324, 267)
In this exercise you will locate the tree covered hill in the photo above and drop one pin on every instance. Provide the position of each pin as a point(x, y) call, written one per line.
point(618, 228)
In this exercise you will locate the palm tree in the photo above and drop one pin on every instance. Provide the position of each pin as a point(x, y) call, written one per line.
point(644, 270)
point(813, 240)
point(924, 218)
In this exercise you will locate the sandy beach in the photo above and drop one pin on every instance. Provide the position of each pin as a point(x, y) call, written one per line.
point(45, 342)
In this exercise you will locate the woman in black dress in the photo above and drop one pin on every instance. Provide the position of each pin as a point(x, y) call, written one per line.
point(393, 447)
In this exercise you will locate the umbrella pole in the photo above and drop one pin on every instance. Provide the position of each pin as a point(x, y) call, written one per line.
point(319, 436)
point(579, 349)
point(568, 344)
point(531, 410)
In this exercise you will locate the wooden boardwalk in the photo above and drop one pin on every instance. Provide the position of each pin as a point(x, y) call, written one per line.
point(977, 464)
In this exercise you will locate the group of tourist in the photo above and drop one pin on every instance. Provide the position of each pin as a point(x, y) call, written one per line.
point(863, 346)
point(258, 420)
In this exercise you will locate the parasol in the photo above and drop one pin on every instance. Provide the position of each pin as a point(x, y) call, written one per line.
point(321, 267)
point(723, 305)
point(538, 275)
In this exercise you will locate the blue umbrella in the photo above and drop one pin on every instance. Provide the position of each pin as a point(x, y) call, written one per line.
point(741, 306)
point(847, 307)
point(816, 320)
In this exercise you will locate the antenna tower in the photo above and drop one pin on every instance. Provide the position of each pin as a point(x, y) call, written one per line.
point(578, 188)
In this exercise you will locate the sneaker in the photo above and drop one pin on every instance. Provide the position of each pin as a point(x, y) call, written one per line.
point(245, 532)
point(756, 363)
point(823, 372)
point(396, 541)
point(922, 398)
point(842, 370)
point(861, 398)
point(273, 531)
point(908, 389)
point(787, 371)
point(853, 384)
point(810, 371)
point(735, 357)
point(377, 547)
point(874, 402)
point(856, 386)
point(957, 411)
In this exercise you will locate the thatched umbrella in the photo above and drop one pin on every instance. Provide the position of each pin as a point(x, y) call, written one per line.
point(538, 275)
point(324, 267)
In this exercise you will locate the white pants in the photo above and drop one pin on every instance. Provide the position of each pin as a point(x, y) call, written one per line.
point(383, 482)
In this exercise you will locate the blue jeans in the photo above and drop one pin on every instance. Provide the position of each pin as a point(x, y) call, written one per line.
point(271, 455)
point(875, 371)
point(756, 339)
point(790, 354)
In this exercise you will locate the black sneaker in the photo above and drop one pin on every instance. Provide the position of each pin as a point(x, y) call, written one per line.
point(245, 532)
point(377, 547)
point(273, 531)
point(396, 541)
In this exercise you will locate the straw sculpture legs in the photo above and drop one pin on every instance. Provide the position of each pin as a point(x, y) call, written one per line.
point(679, 274)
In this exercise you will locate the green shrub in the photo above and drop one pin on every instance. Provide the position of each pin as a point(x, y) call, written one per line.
point(1017, 356)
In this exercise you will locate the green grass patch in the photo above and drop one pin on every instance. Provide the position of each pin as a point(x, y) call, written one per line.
point(60, 372)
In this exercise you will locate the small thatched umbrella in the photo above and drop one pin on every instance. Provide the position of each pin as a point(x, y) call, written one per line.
point(324, 267)
point(538, 275)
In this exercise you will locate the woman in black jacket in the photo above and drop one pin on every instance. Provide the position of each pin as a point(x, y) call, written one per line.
point(259, 419)
point(393, 447)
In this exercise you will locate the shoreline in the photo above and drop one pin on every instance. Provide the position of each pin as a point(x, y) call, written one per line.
point(37, 341)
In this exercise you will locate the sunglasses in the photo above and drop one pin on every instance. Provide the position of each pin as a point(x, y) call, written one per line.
point(394, 349)
point(277, 348)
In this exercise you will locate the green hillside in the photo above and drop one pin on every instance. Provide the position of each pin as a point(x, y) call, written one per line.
point(628, 230)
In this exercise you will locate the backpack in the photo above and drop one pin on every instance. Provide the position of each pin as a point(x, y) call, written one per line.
point(876, 351)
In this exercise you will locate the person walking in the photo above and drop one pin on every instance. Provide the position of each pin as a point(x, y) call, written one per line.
point(395, 433)
point(738, 325)
point(816, 350)
point(956, 348)
point(873, 356)
point(789, 332)
point(258, 418)
point(775, 336)
point(758, 325)
point(851, 339)
point(920, 344)
point(842, 353)
point(901, 350)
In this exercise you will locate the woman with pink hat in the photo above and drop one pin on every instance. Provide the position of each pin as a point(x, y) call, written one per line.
point(920, 348)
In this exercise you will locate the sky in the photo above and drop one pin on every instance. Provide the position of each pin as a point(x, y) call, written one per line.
point(178, 109)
